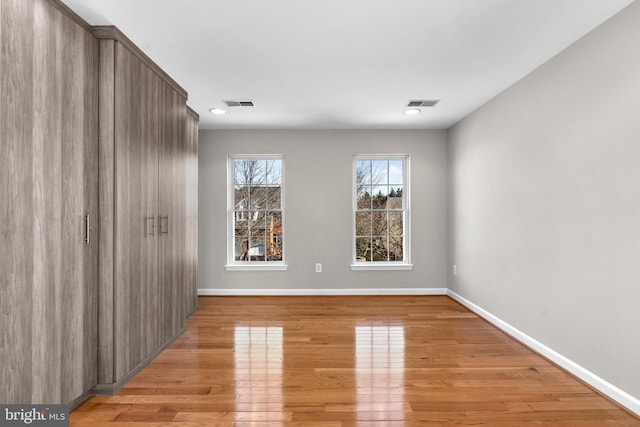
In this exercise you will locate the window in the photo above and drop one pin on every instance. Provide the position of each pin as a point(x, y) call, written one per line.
point(255, 213)
point(381, 213)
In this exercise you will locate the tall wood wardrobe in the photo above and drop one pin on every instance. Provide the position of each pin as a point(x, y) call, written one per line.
point(98, 193)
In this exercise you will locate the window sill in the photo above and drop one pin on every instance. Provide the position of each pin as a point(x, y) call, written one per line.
point(256, 267)
point(381, 266)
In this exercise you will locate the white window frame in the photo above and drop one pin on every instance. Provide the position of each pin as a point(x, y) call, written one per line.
point(232, 264)
point(406, 196)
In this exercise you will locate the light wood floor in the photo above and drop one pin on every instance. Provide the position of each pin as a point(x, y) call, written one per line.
point(348, 361)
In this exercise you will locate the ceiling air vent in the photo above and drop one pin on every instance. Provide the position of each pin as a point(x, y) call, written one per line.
point(422, 103)
point(239, 103)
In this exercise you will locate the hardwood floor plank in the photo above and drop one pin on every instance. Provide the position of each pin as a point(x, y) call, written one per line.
point(348, 361)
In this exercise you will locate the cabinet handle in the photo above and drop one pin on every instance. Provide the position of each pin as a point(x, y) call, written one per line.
point(164, 227)
point(153, 225)
point(87, 229)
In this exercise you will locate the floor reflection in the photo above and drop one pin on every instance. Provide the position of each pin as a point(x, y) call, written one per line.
point(258, 373)
point(380, 373)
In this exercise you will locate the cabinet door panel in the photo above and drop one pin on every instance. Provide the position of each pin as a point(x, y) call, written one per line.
point(48, 161)
point(165, 179)
point(16, 205)
point(79, 181)
point(171, 199)
point(136, 139)
point(150, 307)
point(90, 142)
point(48, 202)
point(127, 235)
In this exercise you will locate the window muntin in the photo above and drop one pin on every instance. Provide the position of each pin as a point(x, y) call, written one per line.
point(380, 210)
point(256, 214)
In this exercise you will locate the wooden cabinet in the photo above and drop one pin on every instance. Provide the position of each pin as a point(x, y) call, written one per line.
point(98, 206)
point(143, 201)
point(48, 186)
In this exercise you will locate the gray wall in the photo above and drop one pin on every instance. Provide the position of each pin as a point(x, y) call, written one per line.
point(545, 203)
point(319, 170)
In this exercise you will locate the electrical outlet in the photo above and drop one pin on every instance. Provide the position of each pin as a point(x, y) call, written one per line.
point(455, 270)
point(318, 268)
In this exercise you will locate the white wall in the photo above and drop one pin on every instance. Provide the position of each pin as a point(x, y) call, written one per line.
point(319, 170)
point(545, 203)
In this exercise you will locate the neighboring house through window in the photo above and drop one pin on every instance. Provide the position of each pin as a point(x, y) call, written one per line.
point(255, 212)
point(381, 220)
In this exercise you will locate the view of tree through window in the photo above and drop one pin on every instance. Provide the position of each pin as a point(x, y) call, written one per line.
point(379, 210)
point(257, 210)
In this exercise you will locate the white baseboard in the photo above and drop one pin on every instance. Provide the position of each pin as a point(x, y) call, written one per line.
point(311, 292)
point(623, 398)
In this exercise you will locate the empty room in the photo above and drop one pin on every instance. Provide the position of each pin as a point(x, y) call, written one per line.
point(377, 213)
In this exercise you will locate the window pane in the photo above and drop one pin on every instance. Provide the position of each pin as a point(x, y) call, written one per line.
point(274, 197)
point(273, 223)
point(259, 172)
point(274, 248)
point(274, 171)
point(249, 172)
point(240, 228)
point(258, 198)
point(379, 248)
point(363, 223)
point(257, 249)
point(396, 227)
point(395, 172)
point(363, 249)
point(379, 197)
point(257, 224)
point(395, 249)
point(363, 172)
point(379, 172)
point(395, 198)
point(239, 173)
point(364, 197)
point(241, 197)
point(241, 249)
point(379, 224)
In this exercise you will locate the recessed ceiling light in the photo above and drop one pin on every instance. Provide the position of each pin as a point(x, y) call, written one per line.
point(412, 111)
point(217, 111)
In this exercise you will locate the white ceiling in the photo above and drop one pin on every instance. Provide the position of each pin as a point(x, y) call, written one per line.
point(341, 64)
